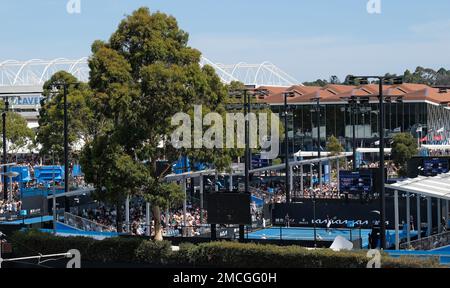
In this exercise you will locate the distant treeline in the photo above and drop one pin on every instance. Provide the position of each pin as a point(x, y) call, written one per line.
point(421, 75)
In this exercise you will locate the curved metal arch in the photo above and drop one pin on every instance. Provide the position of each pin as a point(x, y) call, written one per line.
point(77, 62)
point(278, 74)
point(6, 73)
point(80, 71)
point(48, 66)
point(266, 73)
point(216, 67)
point(285, 76)
point(7, 61)
point(238, 65)
point(21, 69)
point(259, 70)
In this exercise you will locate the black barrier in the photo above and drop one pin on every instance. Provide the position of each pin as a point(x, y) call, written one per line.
point(428, 166)
point(361, 181)
point(35, 205)
point(229, 208)
point(347, 213)
point(356, 182)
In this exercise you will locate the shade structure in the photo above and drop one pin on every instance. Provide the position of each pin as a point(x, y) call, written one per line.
point(435, 187)
point(430, 187)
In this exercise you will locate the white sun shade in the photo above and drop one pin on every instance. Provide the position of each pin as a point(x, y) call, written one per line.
point(436, 187)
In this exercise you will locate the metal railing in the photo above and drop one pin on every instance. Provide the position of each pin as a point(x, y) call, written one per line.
point(188, 231)
point(428, 243)
point(85, 224)
point(9, 216)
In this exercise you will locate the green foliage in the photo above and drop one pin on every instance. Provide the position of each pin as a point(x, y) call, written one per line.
point(238, 255)
point(144, 39)
point(140, 78)
point(334, 146)
point(404, 147)
point(185, 256)
point(17, 132)
point(277, 161)
point(318, 82)
point(323, 82)
point(154, 252)
point(114, 172)
point(50, 133)
point(33, 242)
point(214, 254)
point(428, 76)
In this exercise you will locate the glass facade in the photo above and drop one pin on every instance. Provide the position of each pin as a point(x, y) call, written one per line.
point(338, 119)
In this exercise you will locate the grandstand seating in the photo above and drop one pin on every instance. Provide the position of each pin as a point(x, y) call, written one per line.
point(45, 174)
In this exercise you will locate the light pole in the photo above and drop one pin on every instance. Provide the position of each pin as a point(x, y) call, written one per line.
point(353, 101)
point(65, 86)
point(399, 100)
point(247, 93)
point(314, 217)
point(351, 80)
point(5, 161)
point(286, 146)
point(316, 101)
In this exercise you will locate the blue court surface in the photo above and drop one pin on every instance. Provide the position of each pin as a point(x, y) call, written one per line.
point(307, 234)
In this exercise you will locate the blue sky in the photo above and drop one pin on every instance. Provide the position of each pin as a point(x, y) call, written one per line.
point(309, 39)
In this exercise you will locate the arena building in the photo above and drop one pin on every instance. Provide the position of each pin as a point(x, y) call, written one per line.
point(418, 109)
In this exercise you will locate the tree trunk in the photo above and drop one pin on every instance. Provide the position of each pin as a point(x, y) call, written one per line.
point(157, 218)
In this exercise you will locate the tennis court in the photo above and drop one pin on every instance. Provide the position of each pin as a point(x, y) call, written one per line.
point(322, 234)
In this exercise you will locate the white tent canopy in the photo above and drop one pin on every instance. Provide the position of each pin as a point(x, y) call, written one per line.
point(430, 187)
point(301, 153)
point(374, 150)
point(436, 187)
point(326, 154)
point(436, 147)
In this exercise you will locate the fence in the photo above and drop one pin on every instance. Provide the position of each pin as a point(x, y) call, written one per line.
point(428, 243)
point(85, 224)
point(9, 216)
point(268, 233)
point(204, 231)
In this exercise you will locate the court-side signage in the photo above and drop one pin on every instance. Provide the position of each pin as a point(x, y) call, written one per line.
point(33, 100)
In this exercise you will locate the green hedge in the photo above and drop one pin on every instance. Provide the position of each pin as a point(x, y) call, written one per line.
point(231, 255)
point(215, 254)
point(108, 250)
point(151, 252)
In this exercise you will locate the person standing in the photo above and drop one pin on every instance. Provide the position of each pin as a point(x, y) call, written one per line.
point(444, 225)
point(328, 224)
point(287, 220)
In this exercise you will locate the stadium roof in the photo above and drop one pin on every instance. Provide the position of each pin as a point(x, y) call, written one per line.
point(36, 72)
point(436, 187)
point(334, 93)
